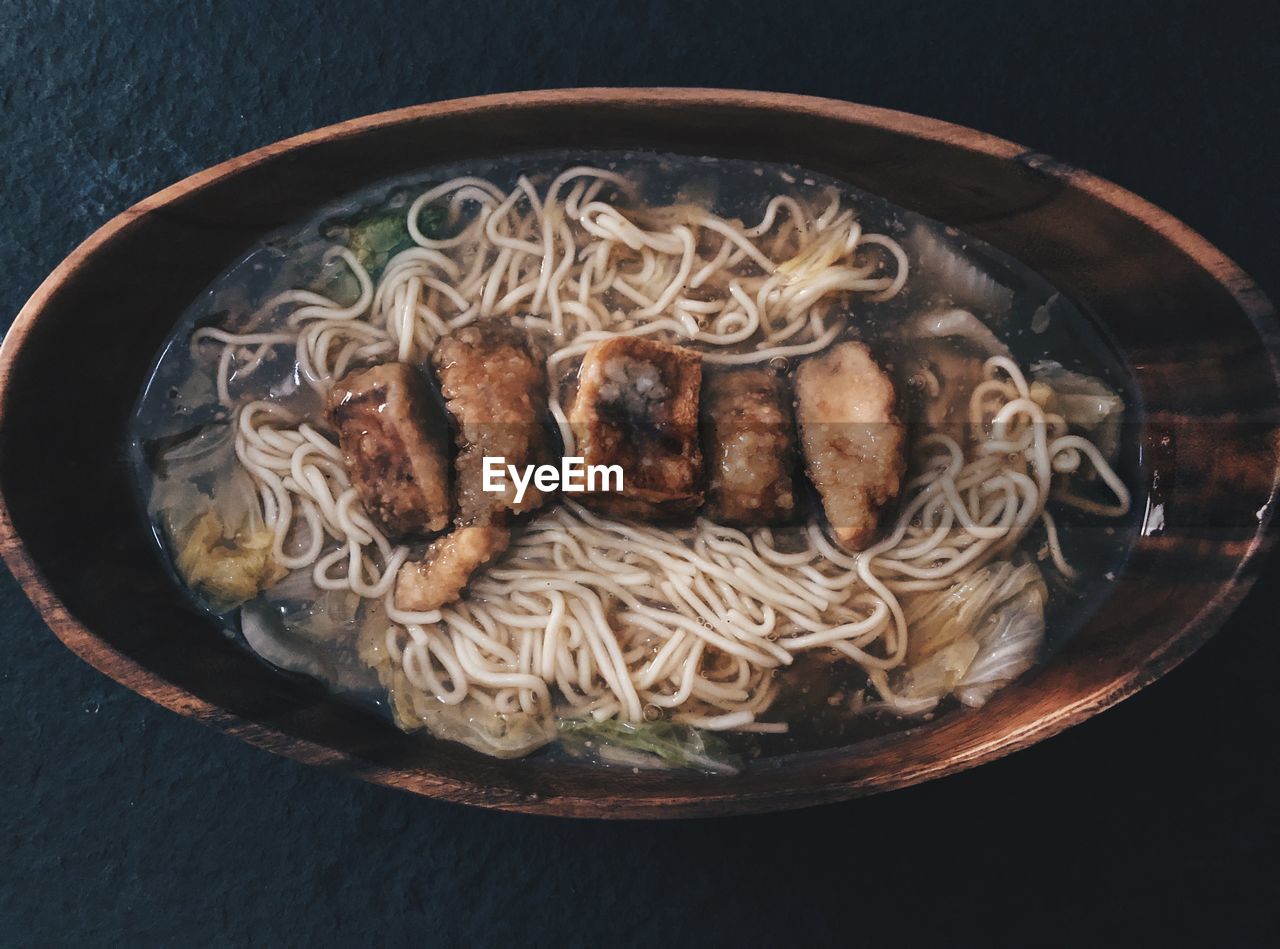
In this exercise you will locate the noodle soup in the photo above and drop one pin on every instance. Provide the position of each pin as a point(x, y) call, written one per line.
point(876, 469)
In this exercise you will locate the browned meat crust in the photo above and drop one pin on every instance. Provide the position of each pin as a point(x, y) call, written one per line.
point(495, 386)
point(637, 407)
point(447, 567)
point(748, 441)
point(393, 438)
point(854, 445)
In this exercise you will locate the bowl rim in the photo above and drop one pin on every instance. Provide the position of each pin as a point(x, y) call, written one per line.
point(1189, 636)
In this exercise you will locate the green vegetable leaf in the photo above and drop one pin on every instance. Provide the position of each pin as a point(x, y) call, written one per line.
point(377, 236)
point(663, 743)
point(377, 239)
point(430, 221)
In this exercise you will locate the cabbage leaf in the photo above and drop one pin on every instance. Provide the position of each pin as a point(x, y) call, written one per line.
point(649, 744)
point(975, 636)
point(471, 723)
point(227, 567)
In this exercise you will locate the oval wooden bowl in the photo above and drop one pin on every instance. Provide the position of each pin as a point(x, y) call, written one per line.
point(1199, 334)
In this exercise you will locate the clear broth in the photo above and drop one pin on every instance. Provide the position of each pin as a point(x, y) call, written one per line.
point(1034, 320)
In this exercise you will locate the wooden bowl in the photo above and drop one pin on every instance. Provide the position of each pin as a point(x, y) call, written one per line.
point(1199, 334)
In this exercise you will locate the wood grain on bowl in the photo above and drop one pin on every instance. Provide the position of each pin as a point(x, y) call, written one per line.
point(1200, 337)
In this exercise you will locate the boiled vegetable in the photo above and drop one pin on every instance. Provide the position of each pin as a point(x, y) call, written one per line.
point(227, 566)
point(378, 237)
point(974, 636)
point(1086, 404)
point(500, 734)
point(649, 744)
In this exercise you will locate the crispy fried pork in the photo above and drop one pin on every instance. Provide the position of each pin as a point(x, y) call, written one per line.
point(637, 407)
point(446, 569)
point(495, 386)
point(748, 444)
point(854, 446)
point(393, 438)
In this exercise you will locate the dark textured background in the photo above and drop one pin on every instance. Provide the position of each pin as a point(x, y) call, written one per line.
point(122, 824)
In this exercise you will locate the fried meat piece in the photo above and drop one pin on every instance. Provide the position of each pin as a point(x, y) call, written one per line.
point(393, 438)
point(748, 443)
point(494, 382)
point(440, 577)
point(637, 407)
point(495, 386)
point(854, 446)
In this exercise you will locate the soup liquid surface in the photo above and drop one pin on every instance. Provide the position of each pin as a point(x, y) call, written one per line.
point(948, 270)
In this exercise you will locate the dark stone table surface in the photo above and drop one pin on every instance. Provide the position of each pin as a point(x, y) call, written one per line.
point(124, 825)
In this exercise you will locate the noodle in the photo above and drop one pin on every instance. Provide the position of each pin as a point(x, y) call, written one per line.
point(598, 617)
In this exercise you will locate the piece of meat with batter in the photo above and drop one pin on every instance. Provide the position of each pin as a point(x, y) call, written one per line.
point(854, 446)
point(443, 573)
point(494, 383)
point(749, 447)
point(394, 441)
point(637, 407)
